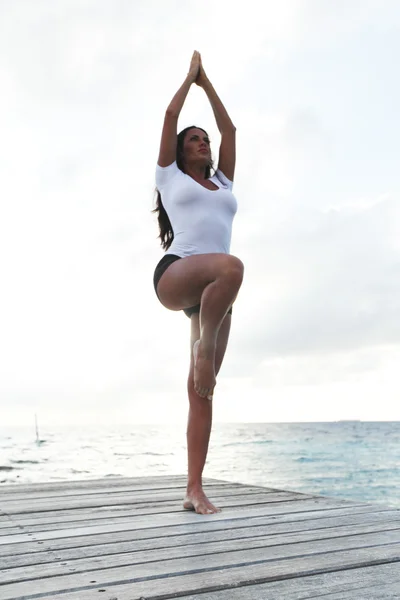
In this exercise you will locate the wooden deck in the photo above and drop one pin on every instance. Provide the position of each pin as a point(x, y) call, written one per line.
point(129, 539)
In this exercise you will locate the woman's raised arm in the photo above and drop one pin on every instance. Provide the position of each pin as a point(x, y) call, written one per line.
point(167, 153)
point(227, 149)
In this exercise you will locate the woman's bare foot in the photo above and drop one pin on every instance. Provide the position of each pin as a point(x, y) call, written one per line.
point(197, 500)
point(204, 373)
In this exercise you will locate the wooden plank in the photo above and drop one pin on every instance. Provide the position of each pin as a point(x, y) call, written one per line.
point(272, 548)
point(178, 576)
point(353, 584)
point(386, 591)
point(134, 489)
point(85, 483)
point(115, 499)
point(17, 508)
point(289, 532)
point(27, 513)
point(290, 511)
point(41, 508)
point(149, 505)
point(124, 594)
point(105, 483)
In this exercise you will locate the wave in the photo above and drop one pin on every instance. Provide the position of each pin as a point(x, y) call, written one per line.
point(308, 459)
point(252, 443)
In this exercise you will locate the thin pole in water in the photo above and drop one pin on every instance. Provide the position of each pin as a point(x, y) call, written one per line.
point(37, 430)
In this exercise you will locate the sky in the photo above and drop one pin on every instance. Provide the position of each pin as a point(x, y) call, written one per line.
point(312, 87)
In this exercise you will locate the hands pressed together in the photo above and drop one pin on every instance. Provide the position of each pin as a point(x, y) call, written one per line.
point(196, 70)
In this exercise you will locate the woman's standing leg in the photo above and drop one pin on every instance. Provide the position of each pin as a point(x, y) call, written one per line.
point(199, 421)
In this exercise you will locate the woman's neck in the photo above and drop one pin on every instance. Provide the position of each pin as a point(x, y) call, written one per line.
point(196, 171)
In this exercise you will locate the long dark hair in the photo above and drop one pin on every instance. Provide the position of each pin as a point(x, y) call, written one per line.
point(166, 232)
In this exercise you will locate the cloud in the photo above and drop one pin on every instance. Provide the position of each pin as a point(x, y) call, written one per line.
point(325, 281)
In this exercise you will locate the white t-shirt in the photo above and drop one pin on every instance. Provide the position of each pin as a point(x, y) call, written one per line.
point(201, 219)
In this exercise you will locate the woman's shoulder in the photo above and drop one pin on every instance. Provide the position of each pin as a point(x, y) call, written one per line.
point(223, 180)
point(164, 175)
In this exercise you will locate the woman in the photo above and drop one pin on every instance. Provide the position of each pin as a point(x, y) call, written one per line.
point(197, 273)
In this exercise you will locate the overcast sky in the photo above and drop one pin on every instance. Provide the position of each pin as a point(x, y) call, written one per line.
point(313, 89)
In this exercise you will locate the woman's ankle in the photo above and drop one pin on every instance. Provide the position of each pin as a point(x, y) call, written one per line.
point(193, 485)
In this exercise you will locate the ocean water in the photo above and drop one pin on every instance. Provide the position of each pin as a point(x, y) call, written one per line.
point(347, 459)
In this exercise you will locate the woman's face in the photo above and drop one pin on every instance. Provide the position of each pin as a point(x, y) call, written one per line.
point(196, 147)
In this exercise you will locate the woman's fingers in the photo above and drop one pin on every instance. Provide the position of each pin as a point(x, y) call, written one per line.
point(195, 59)
point(201, 75)
point(194, 65)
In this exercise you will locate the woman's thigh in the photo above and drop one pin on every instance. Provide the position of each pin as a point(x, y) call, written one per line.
point(182, 284)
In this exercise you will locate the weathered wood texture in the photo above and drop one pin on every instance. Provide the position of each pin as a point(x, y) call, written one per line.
point(127, 539)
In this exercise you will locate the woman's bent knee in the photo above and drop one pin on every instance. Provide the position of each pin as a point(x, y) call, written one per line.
point(234, 269)
point(236, 264)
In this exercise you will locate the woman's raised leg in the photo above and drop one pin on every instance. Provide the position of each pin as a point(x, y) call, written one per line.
point(199, 422)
